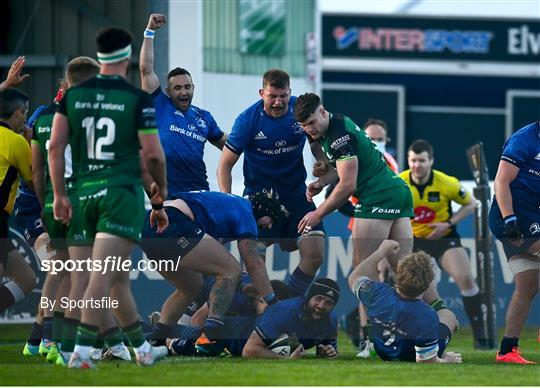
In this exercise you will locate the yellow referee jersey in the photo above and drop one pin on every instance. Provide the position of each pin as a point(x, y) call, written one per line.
point(432, 202)
point(15, 159)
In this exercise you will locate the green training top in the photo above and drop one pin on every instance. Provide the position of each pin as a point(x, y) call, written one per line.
point(105, 116)
point(41, 135)
point(345, 140)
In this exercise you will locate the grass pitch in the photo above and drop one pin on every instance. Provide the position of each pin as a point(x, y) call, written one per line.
point(478, 368)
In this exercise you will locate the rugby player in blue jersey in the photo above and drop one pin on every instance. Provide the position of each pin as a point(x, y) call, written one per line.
point(309, 318)
point(191, 229)
point(183, 128)
point(272, 142)
point(404, 327)
point(514, 218)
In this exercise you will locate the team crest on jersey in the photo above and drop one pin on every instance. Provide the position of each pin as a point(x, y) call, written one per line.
point(297, 128)
point(201, 123)
point(537, 157)
point(534, 228)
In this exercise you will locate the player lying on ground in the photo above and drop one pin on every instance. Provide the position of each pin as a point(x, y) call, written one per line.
point(308, 318)
point(404, 327)
point(204, 220)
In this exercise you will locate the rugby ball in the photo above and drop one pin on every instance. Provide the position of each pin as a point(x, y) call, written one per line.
point(284, 345)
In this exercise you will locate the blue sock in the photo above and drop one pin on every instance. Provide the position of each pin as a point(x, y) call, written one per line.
point(299, 282)
point(47, 328)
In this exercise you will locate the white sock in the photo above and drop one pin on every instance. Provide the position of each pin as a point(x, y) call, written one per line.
point(84, 351)
point(15, 290)
point(145, 347)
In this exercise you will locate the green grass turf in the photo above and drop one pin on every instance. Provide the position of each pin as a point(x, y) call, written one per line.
point(478, 368)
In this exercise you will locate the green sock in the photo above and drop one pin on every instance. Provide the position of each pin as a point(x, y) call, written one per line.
point(58, 321)
point(113, 336)
point(87, 334)
point(135, 334)
point(69, 334)
point(100, 341)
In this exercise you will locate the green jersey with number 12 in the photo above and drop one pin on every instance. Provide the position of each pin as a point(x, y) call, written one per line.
point(105, 116)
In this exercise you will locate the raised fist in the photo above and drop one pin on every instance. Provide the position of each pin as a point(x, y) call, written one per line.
point(389, 247)
point(156, 21)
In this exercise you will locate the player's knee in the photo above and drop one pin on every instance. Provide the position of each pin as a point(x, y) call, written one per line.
point(526, 289)
point(27, 282)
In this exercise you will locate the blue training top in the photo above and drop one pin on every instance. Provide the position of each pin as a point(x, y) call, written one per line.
point(287, 317)
point(183, 135)
point(403, 328)
point(523, 151)
point(272, 150)
point(223, 216)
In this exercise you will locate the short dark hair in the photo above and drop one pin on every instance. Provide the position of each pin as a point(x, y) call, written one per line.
point(178, 71)
point(110, 39)
point(378, 122)
point(11, 99)
point(276, 78)
point(281, 290)
point(419, 146)
point(305, 105)
point(80, 69)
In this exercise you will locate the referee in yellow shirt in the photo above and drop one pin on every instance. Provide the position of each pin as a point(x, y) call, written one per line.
point(15, 157)
point(434, 223)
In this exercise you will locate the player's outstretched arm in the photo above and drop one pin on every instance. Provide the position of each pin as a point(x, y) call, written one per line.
point(224, 171)
point(368, 267)
point(149, 79)
point(256, 348)
point(14, 76)
point(255, 266)
point(447, 358)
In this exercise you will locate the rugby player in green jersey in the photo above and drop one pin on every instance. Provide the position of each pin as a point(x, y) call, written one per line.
point(385, 201)
point(106, 121)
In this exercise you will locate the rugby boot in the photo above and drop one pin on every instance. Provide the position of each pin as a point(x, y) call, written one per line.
point(63, 358)
point(117, 352)
point(53, 354)
point(207, 347)
point(45, 346)
point(78, 362)
point(147, 354)
point(96, 354)
point(513, 357)
point(30, 350)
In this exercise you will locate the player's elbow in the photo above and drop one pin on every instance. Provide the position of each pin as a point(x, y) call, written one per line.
point(248, 351)
point(352, 278)
point(145, 67)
